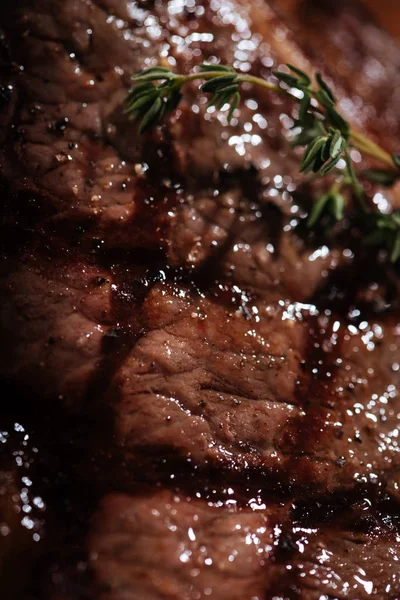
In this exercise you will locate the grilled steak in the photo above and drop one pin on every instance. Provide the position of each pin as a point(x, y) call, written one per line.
point(211, 389)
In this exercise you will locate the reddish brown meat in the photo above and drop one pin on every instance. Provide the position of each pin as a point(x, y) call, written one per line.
point(204, 373)
point(165, 545)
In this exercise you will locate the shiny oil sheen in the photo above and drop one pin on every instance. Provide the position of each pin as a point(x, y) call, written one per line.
point(216, 412)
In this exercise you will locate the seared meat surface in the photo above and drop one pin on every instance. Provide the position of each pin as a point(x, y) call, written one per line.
point(204, 394)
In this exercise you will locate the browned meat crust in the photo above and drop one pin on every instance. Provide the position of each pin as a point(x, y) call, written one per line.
point(216, 385)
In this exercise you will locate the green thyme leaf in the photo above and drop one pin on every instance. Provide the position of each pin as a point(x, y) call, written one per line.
point(304, 106)
point(325, 88)
point(303, 76)
point(225, 94)
point(219, 100)
point(321, 130)
point(224, 90)
point(316, 165)
point(338, 204)
point(152, 116)
point(234, 105)
point(332, 204)
point(173, 100)
point(312, 152)
point(143, 100)
point(153, 74)
point(207, 68)
point(337, 145)
point(311, 127)
point(317, 210)
point(337, 121)
point(139, 89)
point(325, 152)
point(331, 164)
point(385, 232)
point(290, 80)
point(218, 83)
point(324, 99)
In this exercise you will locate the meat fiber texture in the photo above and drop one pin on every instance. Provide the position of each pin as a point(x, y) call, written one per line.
point(213, 389)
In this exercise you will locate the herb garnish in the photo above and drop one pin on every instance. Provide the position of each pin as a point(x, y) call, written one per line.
point(324, 133)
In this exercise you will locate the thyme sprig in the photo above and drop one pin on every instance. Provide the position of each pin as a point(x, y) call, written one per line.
point(324, 133)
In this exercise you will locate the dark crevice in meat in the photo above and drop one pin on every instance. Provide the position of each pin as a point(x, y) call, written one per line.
point(373, 293)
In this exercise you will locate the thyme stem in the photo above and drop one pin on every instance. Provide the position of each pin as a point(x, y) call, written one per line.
point(324, 133)
point(359, 140)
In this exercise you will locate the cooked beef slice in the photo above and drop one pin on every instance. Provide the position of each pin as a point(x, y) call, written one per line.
point(169, 546)
point(343, 563)
point(73, 139)
point(338, 554)
point(226, 379)
point(301, 396)
point(162, 290)
point(54, 334)
point(73, 147)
